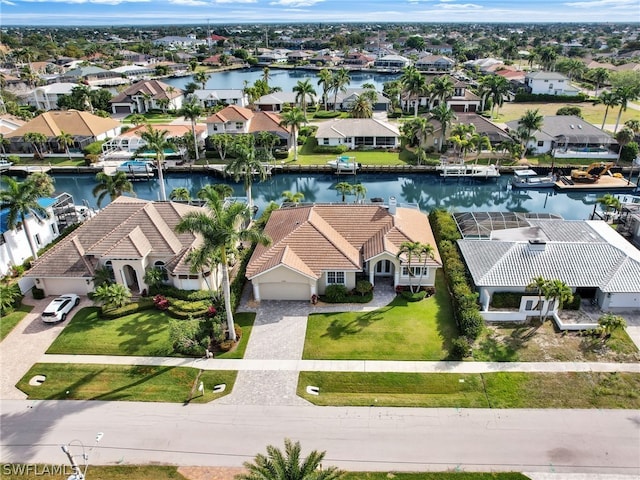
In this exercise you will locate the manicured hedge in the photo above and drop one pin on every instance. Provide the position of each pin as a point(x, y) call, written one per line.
point(143, 303)
point(545, 98)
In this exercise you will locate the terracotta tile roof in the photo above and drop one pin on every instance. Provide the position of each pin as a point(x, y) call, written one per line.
point(231, 113)
point(157, 89)
point(316, 238)
point(76, 123)
point(126, 228)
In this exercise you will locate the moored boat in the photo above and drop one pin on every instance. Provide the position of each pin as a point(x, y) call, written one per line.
point(529, 178)
point(344, 164)
point(136, 167)
point(461, 169)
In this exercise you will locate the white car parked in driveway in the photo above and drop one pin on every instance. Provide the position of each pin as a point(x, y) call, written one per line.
point(59, 307)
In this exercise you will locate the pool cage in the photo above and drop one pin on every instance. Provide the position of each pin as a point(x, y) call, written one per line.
point(479, 225)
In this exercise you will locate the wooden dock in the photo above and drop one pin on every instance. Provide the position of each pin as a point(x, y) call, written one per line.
point(604, 183)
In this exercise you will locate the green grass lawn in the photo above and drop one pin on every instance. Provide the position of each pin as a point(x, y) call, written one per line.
point(400, 331)
point(143, 333)
point(434, 476)
point(489, 390)
point(115, 472)
point(591, 113)
point(123, 382)
point(8, 322)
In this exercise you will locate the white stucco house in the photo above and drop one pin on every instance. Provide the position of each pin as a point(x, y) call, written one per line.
point(314, 246)
point(549, 83)
point(358, 133)
point(128, 237)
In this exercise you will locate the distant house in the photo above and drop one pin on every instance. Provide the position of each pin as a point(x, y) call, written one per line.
point(127, 237)
point(358, 60)
point(484, 126)
point(391, 62)
point(92, 75)
point(277, 101)
point(145, 95)
point(213, 97)
point(135, 72)
point(549, 83)
point(435, 64)
point(46, 97)
point(269, 58)
point(315, 246)
point(358, 133)
point(345, 100)
point(179, 42)
point(298, 56)
point(85, 128)
point(589, 256)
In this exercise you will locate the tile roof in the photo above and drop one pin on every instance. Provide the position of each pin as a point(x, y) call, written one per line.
point(356, 127)
point(126, 228)
point(574, 252)
point(311, 239)
point(76, 123)
point(157, 89)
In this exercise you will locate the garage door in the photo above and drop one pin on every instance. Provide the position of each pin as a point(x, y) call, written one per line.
point(122, 109)
point(285, 291)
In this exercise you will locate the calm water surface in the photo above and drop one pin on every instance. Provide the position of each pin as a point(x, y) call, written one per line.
point(427, 190)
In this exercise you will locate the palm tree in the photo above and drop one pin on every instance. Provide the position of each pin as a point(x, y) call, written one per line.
point(4, 143)
point(344, 189)
point(180, 194)
point(291, 197)
point(548, 58)
point(608, 99)
point(558, 291)
point(20, 199)
point(37, 140)
point(137, 119)
point(65, 140)
point(529, 123)
point(633, 125)
point(266, 75)
point(414, 84)
point(221, 231)
point(267, 141)
point(112, 185)
point(625, 94)
point(288, 466)
point(360, 191)
point(443, 114)
point(202, 78)
point(339, 82)
point(304, 90)
point(192, 111)
point(111, 295)
point(623, 137)
point(223, 190)
point(362, 108)
point(425, 252)
point(293, 118)
point(245, 165)
point(609, 202)
point(324, 81)
point(157, 142)
point(494, 87)
point(598, 76)
point(538, 284)
point(409, 249)
point(441, 88)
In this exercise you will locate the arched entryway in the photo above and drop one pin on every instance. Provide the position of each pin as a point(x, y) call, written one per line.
point(131, 278)
point(382, 271)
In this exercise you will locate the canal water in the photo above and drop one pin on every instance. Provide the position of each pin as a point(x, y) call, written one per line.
point(428, 190)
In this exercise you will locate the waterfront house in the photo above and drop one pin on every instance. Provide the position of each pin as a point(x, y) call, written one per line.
point(549, 83)
point(46, 97)
point(146, 95)
point(314, 246)
point(435, 64)
point(92, 75)
point(213, 97)
point(127, 237)
point(344, 100)
point(391, 62)
point(277, 101)
point(363, 133)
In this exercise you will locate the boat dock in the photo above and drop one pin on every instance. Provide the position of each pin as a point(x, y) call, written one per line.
point(604, 183)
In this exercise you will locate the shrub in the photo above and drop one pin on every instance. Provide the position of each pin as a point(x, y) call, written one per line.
point(413, 297)
point(161, 302)
point(10, 297)
point(94, 148)
point(506, 299)
point(336, 293)
point(326, 114)
point(471, 324)
point(363, 287)
point(546, 98)
point(629, 152)
point(460, 348)
point(184, 336)
point(38, 293)
point(128, 309)
point(337, 150)
point(570, 110)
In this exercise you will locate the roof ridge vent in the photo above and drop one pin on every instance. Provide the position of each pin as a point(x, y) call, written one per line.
point(537, 245)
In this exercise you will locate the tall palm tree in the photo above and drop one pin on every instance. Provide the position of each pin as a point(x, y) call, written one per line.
point(608, 99)
point(266, 75)
point(192, 110)
point(223, 190)
point(112, 185)
point(598, 76)
point(494, 87)
point(623, 137)
point(409, 249)
point(202, 78)
point(558, 291)
point(21, 199)
point(625, 94)
point(157, 142)
point(425, 252)
point(344, 189)
point(267, 142)
point(441, 88)
point(443, 114)
point(633, 125)
point(289, 466)
point(362, 108)
point(37, 140)
point(293, 119)
point(529, 123)
point(324, 81)
point(414, 84)
point(360, 191)
point(65, 140)
point(245, 165)
point(538, 284)
point(292, 197)
point(341, 79)
point(304, 90)
point(180, 194)
point(221, 230)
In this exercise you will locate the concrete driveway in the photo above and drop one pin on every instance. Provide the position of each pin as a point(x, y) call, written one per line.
point(26, 344)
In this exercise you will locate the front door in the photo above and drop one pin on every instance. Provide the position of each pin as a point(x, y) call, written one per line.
point(384, 268)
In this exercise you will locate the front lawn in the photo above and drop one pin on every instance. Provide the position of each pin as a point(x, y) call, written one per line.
point(144, 333)
point(434, 476)
point(591, 113)
point(369, 157)
point(124, 383)
point(112, 472)
point(9, 321)
point(488, 390)
point(400, 331)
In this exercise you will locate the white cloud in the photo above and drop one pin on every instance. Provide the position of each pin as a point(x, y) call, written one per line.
point(78, 2)
point(602, 3)
point(460, 6)
point(6, 2)
point(190, 3)
point(296, 3)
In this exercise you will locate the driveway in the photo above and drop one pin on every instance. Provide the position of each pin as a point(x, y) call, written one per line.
point(26, 344)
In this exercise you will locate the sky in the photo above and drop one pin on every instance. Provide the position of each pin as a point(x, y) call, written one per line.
point(154, 12)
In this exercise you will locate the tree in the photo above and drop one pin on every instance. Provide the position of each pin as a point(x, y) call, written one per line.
point(292, 197)
point(529, 123)
point(494, 88)
point(288, 466)
point(113, 295)
point(267, 142)
point(137, 119)
point(440, 89)
point(608, 99)
point(623, 137)
point(624, 95)
point(222, 189)
point(409, 249)
point(65, 140)
point(598, 76)
point(4, 143)
point(304, 90)
point(609, 323)
point(360, 191)
point(324, 81)
point(157, 142)
point(245, 165)
point(180, 194)
point(443, 114)
point(191, 111)
point(37, 140)
point(222, 142)
point(344, 189)
point(559, 292)
point(202, 78)
point(293, 119)
point(417, 130)
point(362, 108)
point(609, 202)
point(20, 199)
point(538, 284)
point(339, 82)
point(222, 230)
point(112, 185)
point(414, 84)
point(633, 125)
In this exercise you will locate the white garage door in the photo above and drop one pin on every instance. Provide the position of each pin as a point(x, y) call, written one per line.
point(285, 291)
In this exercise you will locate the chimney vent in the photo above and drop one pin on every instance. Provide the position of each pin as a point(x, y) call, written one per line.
point(393, 204)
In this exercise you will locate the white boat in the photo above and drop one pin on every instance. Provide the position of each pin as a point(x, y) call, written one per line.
point(136, 167)
point(344, 164)
point(531, 179)
point(462, 169)
point(5, 165)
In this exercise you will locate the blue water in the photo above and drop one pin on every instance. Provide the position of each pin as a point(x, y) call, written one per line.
point(429, 191)
point(285, 79)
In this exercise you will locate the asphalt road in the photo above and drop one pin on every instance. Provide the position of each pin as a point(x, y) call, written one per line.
point(370, 438)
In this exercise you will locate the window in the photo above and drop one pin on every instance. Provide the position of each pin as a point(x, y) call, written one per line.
point(160, 265)
point(37, 239)
point(53, 229)
point(325, 141)
point(415, 271)
point(541, 143)
point(108, 265)
point(335, 278)
point(239, 125)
